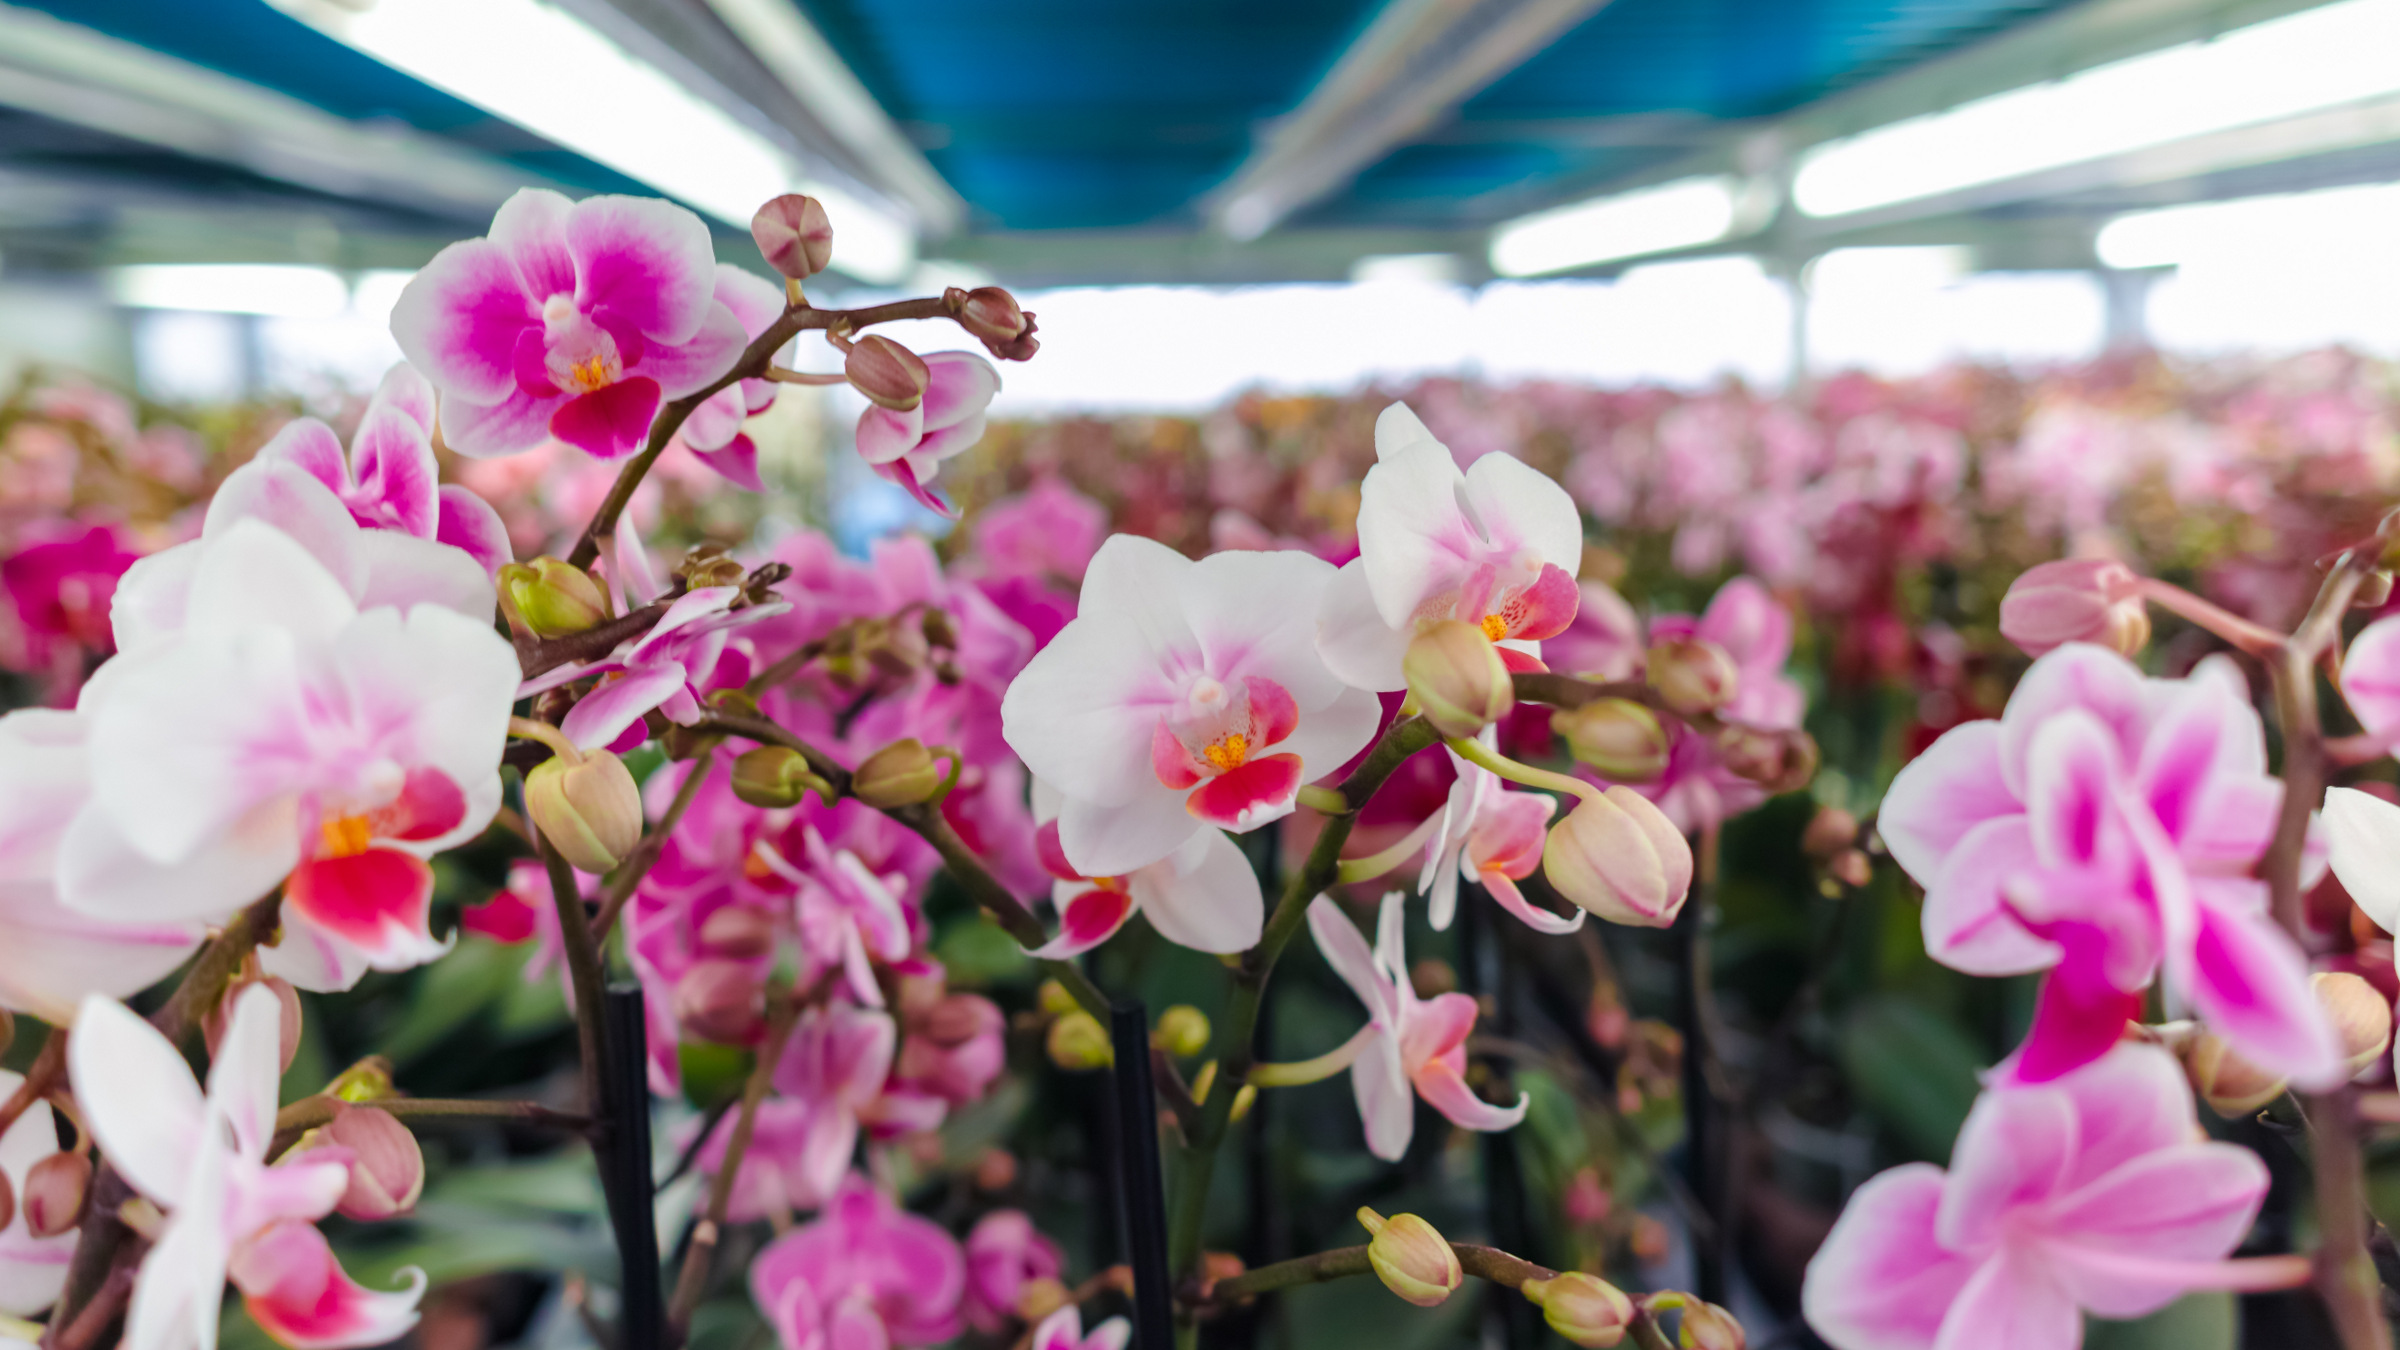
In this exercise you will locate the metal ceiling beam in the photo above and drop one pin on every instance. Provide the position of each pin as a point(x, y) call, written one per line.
point(75, 75)
point(1415, 63)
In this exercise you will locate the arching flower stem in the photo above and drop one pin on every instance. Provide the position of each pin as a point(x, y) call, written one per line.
point(1525, 775)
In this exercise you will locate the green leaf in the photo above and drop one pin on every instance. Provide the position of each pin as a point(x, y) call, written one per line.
point(2203, 1321)
point(452, 991)
point(977, 953)
point(1914, 1069)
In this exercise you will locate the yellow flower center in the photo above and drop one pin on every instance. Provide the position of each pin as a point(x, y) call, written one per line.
point(345, 836)
point(1227, 752)
point(1495, 627)
point(591, 373)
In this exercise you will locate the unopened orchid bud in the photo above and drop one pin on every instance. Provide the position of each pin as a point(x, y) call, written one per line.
point(1851, 867)
point(2360, 1014)
point(900, 774)
point(212, 1026)
point(794, 235)
point(1829, 831)
point(1587, 1310)
point(2094, 600)
point(890, 375)
point(990, 313)
point(1039, 1297)
point(368, 1080)
point(1778, 759)
point(1619, 857)
point(720, 1001)
point(1216, 1266)
point(1693, 675)
point(708, 567)
point(387, 1169)
point(1705, 1326)
point(2374, 590)
point(1182, 1031)
point(995, 1169)
point(776, 776)
point(554, 598)
point(1053, 998)
point(590, 810)
point(737, 933)
point(54, 1193)
point(8, 1201)
point(1412, 1259)
point(2231, 1085)
point(1618, 738)
point(1456, 678)
point(1078, 1042)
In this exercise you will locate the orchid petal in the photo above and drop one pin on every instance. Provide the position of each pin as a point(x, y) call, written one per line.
point(1881, 1281)
point(1387, 1103)
point(1941, 795)
point(1204, 896)
point(2364, 831)
point(300, 1295)
point(138, 1097)
point(467, 522)
point(1353, 639)
point(1446, 1092)
point(458, 318)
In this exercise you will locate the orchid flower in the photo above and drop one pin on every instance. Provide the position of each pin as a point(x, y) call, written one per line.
point(1496, 546)
point(1004, 1253)
point(2095, 1192)
point(1063, 1330)
point(388, 479)
point(285, 736)
point(573, 320)
point(1204, 895)
point(58, 584)
point(1410, 1047)
point(865, 1274)
point(908, 447)
point(850, 916)
point(670, 667)
point(2105, 828)
point(1182, 698)
point(833, 1068)
point(1697, 788)
point(32, 1269)
point(229, 1213)
point(1494, 837)
point(713, 432)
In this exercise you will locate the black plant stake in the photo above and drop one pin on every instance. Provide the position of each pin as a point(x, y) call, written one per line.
point(1140, 1178)
point(624, 1157)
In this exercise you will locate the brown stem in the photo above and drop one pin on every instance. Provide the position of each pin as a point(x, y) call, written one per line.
point(220, 961)
point(310, 1112)
point(540, 656)
point(45, 1075)
point(693, 1278)
point(84, 1331)
point(583, 967)
point(2255, 639)
point(628, 877)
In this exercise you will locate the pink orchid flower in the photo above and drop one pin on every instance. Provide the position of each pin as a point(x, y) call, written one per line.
point(1497, 545)
point(850, 916)
point(1493, 837)
point(954, 1051)
point(833, 1069)
point(713, 433)
point(573, 320)
point(1005, 1252)
point(1178, 701)
point(866, 1274)
point(283, 736)
point(1063, 1330)
point(229, 1213)
point(1204, 895)
point(58, 584)
point(2371, 679)
point(2095, 1192)
point(2106, 827)
point(32, 1269)
point(388, 478)
point(1410, 1047)
point(909, 447)
point(1696, 788)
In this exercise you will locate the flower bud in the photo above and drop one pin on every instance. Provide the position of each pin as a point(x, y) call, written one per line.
point(590, 811)
point(553, 597)
point(890, 375)
point(1587, 1310)
point(1053, 998)
point(2360, 1014)
point(2076, 600)
point(776, 776)
point(1777, 759)
point(387, 1169)
point(1851, 867)
point(1216, 1266)
point(1709, 1327)
point(1693, 675)
point(55, 1189)
point(1618, 738)
point(212, 1026)
point(737, 933)
point(1182, 1031)
point(1411, 1259)
point(2374, 590)
point(720, 1001)
point(1457, 679)
point(990, 313)
point(365, 1081)
point(1829, 831)
point(1619, 857)
point(1039, 1297)
point(794, 235)
point(2231, 1085)
point(8, 1201)
point(1077, 1042)
point(900, 774)
point(995, 1169)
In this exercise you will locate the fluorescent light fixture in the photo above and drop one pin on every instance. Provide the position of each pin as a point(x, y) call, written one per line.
point(2299, 63)
point(1421, 269)
point(2352, 222)
point(1683, 214)
point(549, 72)
point(233, 288)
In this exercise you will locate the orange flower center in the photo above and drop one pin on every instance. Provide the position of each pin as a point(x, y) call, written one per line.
point(1495, 627)
point(1227, 752)
point(345, 836)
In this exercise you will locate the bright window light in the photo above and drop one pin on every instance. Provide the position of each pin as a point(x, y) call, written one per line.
point(2348, 220)
point(1682, 214)
point(374, 293)
point(547, 71)
point(2319, 58)
point(233, 288)
point(1905, 311)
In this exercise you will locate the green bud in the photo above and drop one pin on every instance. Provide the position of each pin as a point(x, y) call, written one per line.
point(1620, 739)
point(900, 774)
point(1587, 1310)
point(552, 597)
point(1077, 1042)
point(776, 776)
point(1411, 1258)
point(1456, 677)
point(590, 811)
point(1182, 1031)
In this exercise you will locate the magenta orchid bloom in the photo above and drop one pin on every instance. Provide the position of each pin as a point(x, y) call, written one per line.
point(834, 1068)
point(59, 582)
point(284, 736)
point(1204, 895)
point(865, 1274)
point(909, 447)
point(2106, 827)
point(1063, 1330)
point(32, 1269)
point(2095, 1192)
point(1410, 1047)
point(1497, 546)
point(851, 916)
point(713, 433)
point(1177, 702)
point(1005, 1252)
point(229, 1213)
point(573, 320)
point(388, 479)
point(1494, 837)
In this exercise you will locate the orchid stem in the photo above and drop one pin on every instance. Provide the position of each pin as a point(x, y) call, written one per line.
point(1376, 864)
point(527, 729)
point(1475, 753)
point(628, 877)
point(2252, 638)
point(692, 1280)
point(583, 966)
point(1300, 1073)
